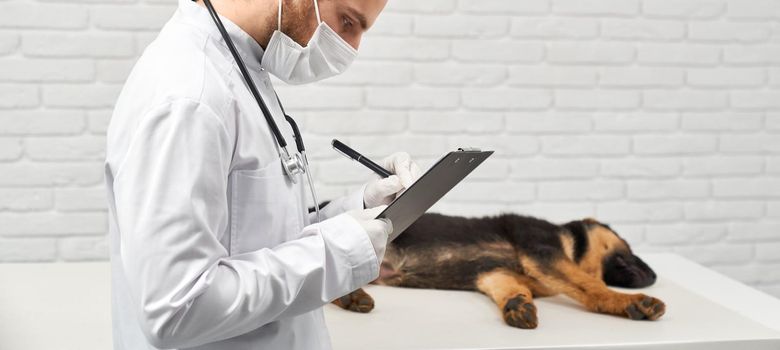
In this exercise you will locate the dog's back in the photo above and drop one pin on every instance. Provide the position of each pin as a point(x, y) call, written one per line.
point(449, 252)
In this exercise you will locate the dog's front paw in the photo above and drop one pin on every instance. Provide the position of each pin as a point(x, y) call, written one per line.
point(645, 307)
point(358, 301)
point(520, 313)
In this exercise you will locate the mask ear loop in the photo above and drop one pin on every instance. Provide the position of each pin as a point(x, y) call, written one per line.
point(317, 11)
point(279, 17)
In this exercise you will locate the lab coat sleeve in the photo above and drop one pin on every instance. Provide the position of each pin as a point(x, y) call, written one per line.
point(350, 201)
point(170, 195)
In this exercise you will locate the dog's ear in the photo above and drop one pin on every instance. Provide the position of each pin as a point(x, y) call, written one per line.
point(579, 233)
point(590, 221)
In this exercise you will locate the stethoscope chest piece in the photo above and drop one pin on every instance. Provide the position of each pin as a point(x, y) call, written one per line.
point(293, 166)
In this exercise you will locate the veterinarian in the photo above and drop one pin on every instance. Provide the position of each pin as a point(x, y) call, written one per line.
point(211, 242)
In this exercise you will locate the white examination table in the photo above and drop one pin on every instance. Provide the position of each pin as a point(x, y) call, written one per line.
point(66, 306)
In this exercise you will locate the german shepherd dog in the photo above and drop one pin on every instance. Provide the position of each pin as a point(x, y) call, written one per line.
point(512, 259)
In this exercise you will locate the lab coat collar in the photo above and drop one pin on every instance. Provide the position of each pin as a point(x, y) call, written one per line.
point(198, 16)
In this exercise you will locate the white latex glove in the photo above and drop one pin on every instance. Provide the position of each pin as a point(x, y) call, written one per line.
point(382, 191)
point(378, 230)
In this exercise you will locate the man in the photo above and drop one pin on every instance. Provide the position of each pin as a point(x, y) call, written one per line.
point(211, 243)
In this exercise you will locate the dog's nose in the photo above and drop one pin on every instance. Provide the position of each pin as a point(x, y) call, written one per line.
point(653, 275)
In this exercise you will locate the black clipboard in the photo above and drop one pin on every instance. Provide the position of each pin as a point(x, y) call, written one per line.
point(439, 179)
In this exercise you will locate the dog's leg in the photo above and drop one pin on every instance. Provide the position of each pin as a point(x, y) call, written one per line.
point(358, 301)
point(512, 295)
point(564, 276)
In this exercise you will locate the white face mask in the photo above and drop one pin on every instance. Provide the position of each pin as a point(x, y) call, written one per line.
point(325, 55)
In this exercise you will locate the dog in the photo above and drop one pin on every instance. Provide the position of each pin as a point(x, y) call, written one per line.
point(513, 259)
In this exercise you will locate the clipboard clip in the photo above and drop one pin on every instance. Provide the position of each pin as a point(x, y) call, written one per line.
point(469, 149)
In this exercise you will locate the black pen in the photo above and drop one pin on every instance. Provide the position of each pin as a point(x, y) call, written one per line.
point(351, 153)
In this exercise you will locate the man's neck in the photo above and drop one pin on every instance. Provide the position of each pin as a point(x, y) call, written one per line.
point(257, 18)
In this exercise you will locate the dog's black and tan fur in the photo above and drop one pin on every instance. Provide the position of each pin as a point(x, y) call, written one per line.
point(512, 259)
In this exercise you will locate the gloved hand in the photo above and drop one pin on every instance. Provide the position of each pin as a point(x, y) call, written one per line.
point(384, 190)
point(378, 230)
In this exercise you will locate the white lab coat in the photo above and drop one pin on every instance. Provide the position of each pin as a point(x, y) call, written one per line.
point(211, 244)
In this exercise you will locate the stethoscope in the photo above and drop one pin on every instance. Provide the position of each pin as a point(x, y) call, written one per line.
point(293, 164)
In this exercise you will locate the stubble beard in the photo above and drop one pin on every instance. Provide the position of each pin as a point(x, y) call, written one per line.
point(298, 20)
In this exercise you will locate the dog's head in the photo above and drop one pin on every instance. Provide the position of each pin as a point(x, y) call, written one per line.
point(602, 252)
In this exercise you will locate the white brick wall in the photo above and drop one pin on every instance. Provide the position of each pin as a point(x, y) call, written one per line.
point(661, 117)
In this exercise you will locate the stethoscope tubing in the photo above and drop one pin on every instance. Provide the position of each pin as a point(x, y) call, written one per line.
point(280, 140)
point(245, 73)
